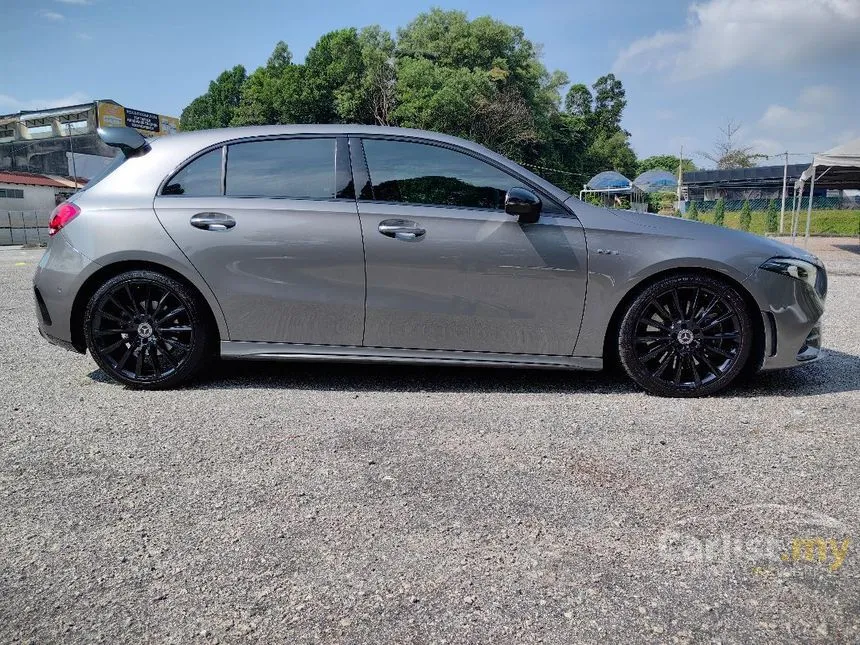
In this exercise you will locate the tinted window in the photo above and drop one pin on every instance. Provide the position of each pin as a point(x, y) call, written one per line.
point(296, 168)
point(200, 178)
point(424, 174)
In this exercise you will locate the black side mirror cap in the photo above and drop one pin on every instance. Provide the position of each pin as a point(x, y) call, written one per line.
point(523, 203)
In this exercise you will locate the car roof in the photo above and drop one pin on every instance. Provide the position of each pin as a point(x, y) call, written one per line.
point(203, 138)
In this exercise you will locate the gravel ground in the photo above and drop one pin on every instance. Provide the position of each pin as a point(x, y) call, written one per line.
point(353, 504)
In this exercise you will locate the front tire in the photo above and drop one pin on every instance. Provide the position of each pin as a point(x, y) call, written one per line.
point(146, 330)
point(686, 335)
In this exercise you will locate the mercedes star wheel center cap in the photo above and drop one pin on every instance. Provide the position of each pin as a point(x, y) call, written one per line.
point(685, 337)
point(144, 330)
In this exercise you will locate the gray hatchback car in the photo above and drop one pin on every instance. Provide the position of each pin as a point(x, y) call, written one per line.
point(361, 243)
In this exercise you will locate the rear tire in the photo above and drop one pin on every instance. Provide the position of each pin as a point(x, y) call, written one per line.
point(686, 335)
point(147, 330)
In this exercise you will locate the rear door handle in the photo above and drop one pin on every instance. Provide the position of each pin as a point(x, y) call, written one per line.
point(401, 229)
point(213, 221)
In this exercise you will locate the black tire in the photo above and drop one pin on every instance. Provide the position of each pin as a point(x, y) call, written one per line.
point(147, 330)
point(686, 335)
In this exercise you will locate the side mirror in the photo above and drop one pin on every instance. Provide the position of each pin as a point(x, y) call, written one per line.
point(523, 203)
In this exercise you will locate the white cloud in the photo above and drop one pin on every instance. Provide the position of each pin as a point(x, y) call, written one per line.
point(779, 117)
point(12, 104)
point(819, 96)
point(83, 36)
point(724, 34)
point(51, 15)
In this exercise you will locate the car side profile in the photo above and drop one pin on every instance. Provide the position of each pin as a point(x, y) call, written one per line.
point(365, 243)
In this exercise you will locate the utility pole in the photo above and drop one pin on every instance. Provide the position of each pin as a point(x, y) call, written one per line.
point(680, 176)
point(784, 185)
point(72, 152)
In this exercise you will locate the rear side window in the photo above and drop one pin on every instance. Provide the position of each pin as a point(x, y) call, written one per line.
point(285, 168)
point(200, 178)
point(417, 173)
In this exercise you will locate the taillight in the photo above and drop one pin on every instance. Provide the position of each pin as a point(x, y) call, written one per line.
point(62, 215)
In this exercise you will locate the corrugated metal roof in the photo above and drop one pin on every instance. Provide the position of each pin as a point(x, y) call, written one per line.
point(31, 179)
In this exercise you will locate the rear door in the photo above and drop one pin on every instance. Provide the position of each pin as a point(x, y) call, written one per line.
point(448, 269)
point(272, 226)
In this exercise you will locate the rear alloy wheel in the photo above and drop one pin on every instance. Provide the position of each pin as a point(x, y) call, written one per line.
point(145, 329)
point(686, 336)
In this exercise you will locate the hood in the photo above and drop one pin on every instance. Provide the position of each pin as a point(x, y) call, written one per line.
point(704, 235)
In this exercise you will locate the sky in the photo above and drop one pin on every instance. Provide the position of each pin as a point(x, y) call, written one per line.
point(787, 70)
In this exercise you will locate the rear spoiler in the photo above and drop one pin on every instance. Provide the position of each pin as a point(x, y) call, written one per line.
point(128, 140)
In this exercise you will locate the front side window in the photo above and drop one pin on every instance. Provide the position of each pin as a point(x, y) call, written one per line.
point(286, 168)
point(418, 173)
point(200, 178)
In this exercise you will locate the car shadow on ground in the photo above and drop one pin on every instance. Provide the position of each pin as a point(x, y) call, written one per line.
point(853, 248)
point(837, 372)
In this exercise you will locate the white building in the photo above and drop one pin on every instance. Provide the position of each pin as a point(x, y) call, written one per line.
point(26, 202)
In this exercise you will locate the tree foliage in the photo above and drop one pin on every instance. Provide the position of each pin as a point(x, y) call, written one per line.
point(664, 162)
point(772, 222)
point(216, 108)
point(746, 216)
point(720, 212)
point(693, 212)
point(479, 79)
point(728, 153)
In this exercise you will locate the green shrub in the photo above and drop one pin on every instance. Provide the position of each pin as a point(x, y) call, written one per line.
point(693, 212)
point(746, 216)
point(772, 217)
point(720, 212)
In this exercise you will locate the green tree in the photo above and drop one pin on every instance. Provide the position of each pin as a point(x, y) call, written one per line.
point(693, 212)
point(664, 162)
point(216, 108)
point(746, 216)
point(720, 212)
point(772, 217)
point(578, 100)
point(479, 79)
point(609, 102)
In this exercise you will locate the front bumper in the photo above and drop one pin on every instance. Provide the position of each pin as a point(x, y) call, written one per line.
point(791, 313)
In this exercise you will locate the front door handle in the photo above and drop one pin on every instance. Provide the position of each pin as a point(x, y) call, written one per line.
point(213, 221)
point(401, 229)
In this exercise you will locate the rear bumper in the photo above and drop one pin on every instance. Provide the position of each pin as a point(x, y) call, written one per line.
point(791, 314)
point(59, 276)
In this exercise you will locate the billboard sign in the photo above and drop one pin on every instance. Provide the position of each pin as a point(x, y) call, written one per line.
point(149, 124)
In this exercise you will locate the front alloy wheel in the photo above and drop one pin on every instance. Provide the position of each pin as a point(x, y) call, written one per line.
point(144, 329)
point(686, 335)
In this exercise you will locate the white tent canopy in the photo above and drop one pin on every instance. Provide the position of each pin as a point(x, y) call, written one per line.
point(837, 168)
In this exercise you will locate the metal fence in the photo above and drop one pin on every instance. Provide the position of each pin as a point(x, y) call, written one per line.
point(763, 204)
point(24, 227)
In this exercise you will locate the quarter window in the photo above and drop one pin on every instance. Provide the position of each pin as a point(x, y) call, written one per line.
point(418, 173)
point(200, 178)
point(291, 168)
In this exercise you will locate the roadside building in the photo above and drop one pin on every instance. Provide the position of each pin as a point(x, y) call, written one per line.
point(26, 202)
point(64, 140)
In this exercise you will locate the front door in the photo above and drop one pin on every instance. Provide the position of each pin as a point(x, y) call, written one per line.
point(277, 238)
point(448, 269)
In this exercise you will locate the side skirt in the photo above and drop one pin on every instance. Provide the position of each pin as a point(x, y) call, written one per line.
point(247, 350)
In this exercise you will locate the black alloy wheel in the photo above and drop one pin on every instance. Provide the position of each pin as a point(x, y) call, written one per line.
point(144, 329)
point(686, 335)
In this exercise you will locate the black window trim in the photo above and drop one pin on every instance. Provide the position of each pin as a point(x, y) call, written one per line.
point(360, 169)
point(343, 166)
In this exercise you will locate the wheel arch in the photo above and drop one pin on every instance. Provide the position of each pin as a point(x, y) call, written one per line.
point(610, 340)
point(106, 272)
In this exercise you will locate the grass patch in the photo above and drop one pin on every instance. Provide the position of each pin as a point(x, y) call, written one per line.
point(824, 222)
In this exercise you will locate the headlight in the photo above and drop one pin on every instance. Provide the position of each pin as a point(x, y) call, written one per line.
point(793, 268)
